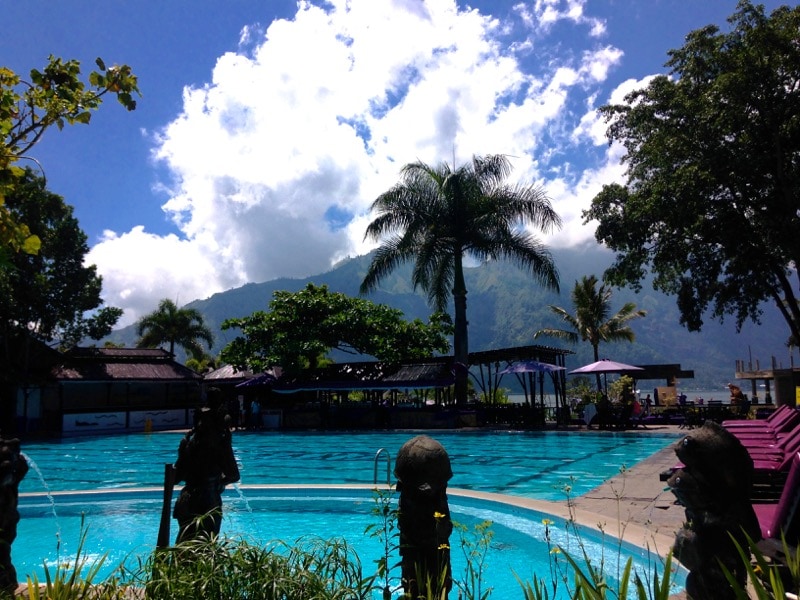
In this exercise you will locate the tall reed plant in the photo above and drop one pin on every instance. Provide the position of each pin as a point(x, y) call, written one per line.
point(217, 567)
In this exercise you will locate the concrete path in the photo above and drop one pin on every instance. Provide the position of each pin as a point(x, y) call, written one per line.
point(637, 495)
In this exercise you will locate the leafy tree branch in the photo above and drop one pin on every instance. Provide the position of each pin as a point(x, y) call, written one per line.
point(302, 328)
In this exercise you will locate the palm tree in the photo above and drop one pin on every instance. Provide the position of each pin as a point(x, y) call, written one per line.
point(436, 216)
point(592, 321)
point(173, 325)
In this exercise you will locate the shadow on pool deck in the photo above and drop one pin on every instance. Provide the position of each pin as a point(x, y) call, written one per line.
point(634, 505)
point(637, 495)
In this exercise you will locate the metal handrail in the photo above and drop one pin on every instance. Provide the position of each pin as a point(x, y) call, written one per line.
point(388, 467)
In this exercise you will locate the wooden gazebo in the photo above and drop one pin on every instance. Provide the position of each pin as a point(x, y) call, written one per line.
point(490, 365)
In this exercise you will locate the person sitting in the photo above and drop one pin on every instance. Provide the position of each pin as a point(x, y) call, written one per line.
point(737, 397)
point(743, 409)
point(637, 409)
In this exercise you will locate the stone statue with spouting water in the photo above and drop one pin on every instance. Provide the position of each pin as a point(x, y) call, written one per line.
point(207, 464)
point(423, 469)
point(13, 468)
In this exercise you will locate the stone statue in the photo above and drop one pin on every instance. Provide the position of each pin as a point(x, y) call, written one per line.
point(207, 464)
point(714, 487)
point(13, 468)
point(423, 469)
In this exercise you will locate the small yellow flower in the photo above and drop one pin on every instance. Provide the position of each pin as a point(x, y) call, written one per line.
point(555, 550)
point(444, 546)
point(547, 522)
point(438, 515)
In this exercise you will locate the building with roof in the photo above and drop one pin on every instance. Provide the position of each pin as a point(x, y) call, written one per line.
point(101, 390)
point(409, 394)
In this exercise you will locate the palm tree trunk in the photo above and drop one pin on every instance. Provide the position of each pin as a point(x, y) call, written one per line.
point(460, 334)
point(596, 358)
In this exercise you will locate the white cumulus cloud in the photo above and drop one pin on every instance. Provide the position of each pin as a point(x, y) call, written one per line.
point(274, 161)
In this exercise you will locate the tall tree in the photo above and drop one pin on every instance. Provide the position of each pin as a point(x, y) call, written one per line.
point(301, 328)
point(171, 325)
point(51, 295)
point(712, 200)
point(54, 96)
point(592, 321)
point(437, 216)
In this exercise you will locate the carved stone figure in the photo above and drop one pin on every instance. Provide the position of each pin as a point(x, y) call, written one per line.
point(207, 464)
point(714, 487)
point(423, 469)
point(13, 468)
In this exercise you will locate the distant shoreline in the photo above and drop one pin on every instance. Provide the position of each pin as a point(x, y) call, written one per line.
point(721, 395)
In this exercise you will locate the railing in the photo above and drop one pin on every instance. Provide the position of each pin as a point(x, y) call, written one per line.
point(388, 467)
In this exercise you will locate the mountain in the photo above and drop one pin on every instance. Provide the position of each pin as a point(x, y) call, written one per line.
point(506, 307)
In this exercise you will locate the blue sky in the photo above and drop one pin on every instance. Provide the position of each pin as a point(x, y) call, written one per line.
point(266, 128)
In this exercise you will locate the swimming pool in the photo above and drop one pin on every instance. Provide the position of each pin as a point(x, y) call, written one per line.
point(531, 464)
point(122, 519)
point(124, 524)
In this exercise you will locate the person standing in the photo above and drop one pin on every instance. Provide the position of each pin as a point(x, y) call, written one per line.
point(255, 413)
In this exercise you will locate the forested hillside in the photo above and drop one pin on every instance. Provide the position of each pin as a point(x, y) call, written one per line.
point(505, 308)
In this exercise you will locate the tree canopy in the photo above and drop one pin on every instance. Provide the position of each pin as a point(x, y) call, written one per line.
point(173, 326)
point(58, 96)
point(436, 216)
point(711, 204)
point(51, 295)
point(301, 328)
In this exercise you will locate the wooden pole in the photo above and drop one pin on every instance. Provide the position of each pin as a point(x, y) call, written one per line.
point(166, 508)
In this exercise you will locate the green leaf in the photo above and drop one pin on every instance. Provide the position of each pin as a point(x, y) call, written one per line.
point(32, 244)
point(97, 80)
point(717, 136)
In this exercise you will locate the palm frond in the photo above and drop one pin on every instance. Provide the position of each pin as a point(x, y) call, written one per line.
point(438, 214)
point(387, 258)
point(561, 334)
point(592, 320)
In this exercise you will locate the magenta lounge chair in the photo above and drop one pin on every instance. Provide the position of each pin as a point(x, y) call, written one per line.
point(773, 465)
point(789, 418)
point(782, 414)
point(786, 430)
point(776, 414)
point(783, 515)
point(778, 449)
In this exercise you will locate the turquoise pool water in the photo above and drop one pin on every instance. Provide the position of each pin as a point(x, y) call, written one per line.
point(124, 524)
point(531, 464)
point(124, 520)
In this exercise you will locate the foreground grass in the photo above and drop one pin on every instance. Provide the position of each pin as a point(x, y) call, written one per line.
point(317, 569)
point(311, 569)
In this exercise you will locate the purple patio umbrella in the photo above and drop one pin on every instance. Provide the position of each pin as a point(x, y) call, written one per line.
point(604, 366)
point(531, 366)
point(265, 379)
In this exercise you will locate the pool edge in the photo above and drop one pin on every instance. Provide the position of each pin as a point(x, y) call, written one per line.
point(629, 532)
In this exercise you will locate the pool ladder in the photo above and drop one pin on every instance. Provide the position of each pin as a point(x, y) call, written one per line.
point(388, 467)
